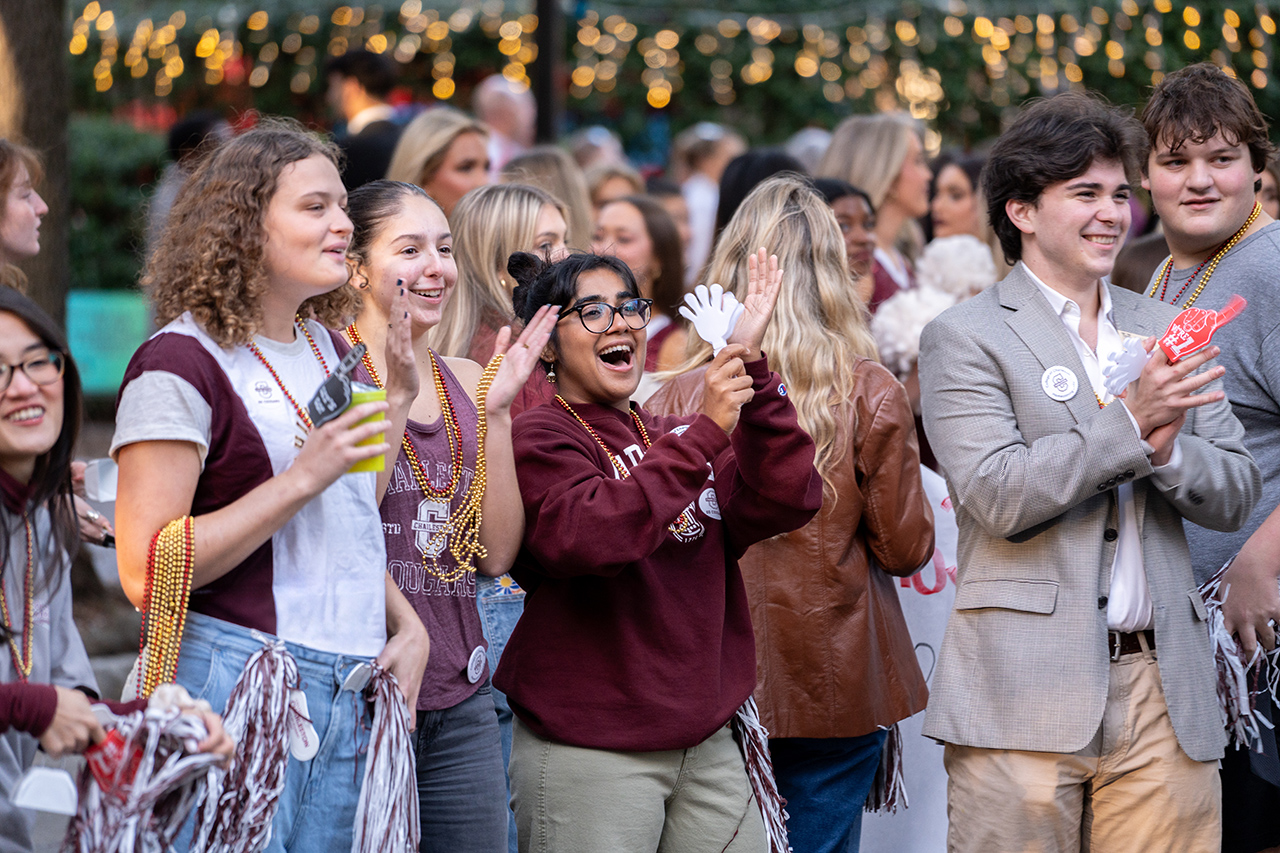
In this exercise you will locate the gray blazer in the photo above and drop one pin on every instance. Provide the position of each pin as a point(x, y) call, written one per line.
point(1024, 662)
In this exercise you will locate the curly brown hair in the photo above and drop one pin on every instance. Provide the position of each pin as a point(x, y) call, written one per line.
point(210, 257)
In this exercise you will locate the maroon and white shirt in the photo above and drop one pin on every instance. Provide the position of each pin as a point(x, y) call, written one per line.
point(320, 580)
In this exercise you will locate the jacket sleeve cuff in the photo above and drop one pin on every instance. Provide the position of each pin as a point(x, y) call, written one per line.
point(28, 708)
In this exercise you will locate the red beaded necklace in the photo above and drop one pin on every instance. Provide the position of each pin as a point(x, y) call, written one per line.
point(684, 520)
point(303, 417)
point(22, 660)
point(1212, 262)
point(453, 432)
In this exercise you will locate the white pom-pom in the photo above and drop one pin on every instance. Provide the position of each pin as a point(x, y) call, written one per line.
point(898, 322)
point(961, 265)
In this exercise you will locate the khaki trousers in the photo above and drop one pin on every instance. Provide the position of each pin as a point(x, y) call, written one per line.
point(569, 799)
point(1131, 790)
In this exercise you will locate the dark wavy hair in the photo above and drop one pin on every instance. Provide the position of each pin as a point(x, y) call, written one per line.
point(1194, 103)
point(209, 259)
point(1055, 140)
point(50, 483)
point(539, 282)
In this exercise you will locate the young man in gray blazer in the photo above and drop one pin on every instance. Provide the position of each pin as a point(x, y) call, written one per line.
point(1075, 687)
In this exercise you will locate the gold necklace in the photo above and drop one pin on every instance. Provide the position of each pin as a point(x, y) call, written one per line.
point(684, 522)
point(1162, 280)
point(462, 529)
point(22, 660)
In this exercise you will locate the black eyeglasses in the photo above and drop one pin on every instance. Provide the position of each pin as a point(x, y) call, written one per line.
point(597, 317)
point(42, 370)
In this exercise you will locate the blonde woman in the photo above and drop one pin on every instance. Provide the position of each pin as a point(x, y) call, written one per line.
point(554, 171)
point(836, 665)
point(488, 225)
point(884, 155)
point(445, 152)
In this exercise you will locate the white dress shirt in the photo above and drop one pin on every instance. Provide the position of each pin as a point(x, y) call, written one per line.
point(1128, 601)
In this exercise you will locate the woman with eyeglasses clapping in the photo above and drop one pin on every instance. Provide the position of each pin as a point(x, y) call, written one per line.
point(635, 650)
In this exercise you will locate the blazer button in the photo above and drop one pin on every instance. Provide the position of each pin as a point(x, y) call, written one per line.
point(1102, 602)
point(1195, 498)
point(1102, 487)
point(1128, 475)
point(1110, 534)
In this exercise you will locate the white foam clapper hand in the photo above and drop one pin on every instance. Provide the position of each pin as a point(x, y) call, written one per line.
point(713, 313)
point(1125, 367)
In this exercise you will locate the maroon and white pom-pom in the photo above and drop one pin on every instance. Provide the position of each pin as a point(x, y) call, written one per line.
point(753, 739)
point(387, 812)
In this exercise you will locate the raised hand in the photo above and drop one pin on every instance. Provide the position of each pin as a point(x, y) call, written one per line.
point(728, 387)
point(764, 283)
point(521, 358)
point(402, 372)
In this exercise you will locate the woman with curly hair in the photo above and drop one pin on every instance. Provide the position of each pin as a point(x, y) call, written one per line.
point(836, 664)
point(273, 535)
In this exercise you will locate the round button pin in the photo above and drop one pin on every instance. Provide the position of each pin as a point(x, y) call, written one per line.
point(1059, 383)
point(475, 666)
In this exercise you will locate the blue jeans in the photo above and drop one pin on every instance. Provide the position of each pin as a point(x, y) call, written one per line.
point(462, 785)
point(501, 601)
point(318, 805)
point(825, 782)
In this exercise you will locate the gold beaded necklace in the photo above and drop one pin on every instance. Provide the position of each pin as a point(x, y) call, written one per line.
point(684, 522)
point(170, 567)
point(1162, 280)
point(462, 530)
point(22, 660)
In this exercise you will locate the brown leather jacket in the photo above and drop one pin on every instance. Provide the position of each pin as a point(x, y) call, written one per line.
point(833, 655)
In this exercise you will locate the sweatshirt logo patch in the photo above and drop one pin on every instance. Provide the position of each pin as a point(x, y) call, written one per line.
point(782, 389)
point(708, 504)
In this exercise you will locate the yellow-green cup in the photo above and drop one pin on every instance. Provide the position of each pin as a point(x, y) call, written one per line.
point(377, 463)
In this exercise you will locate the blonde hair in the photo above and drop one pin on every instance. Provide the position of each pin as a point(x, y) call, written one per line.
point(868, 152)
point(209, 258)
point(425, 142)
point(819, 327)
point(554, 171)
point(489, 224)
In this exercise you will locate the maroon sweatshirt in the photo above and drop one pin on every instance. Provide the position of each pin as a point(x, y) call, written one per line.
point(635, 637)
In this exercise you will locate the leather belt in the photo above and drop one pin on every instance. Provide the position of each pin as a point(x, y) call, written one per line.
point(1121, 643)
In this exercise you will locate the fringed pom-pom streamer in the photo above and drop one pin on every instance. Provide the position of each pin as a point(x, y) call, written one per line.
point(148, 798)
point(753, 739)
point(1240, 680)
point(237, 813)
point(387, 812)
point(889, 789)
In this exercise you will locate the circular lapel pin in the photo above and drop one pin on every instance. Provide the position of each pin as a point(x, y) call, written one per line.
point(1059, 383)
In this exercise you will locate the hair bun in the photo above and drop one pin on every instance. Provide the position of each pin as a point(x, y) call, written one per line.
point(525, 267)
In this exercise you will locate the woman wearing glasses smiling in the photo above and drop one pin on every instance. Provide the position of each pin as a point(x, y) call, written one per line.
point(635, 649)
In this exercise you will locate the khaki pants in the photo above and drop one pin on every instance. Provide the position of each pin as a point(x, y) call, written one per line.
point(568, 799)
point(1131, 790)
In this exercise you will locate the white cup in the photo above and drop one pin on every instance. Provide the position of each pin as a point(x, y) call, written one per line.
point(100, 480)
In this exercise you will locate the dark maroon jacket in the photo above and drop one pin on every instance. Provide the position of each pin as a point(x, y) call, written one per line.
point(635, 637)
